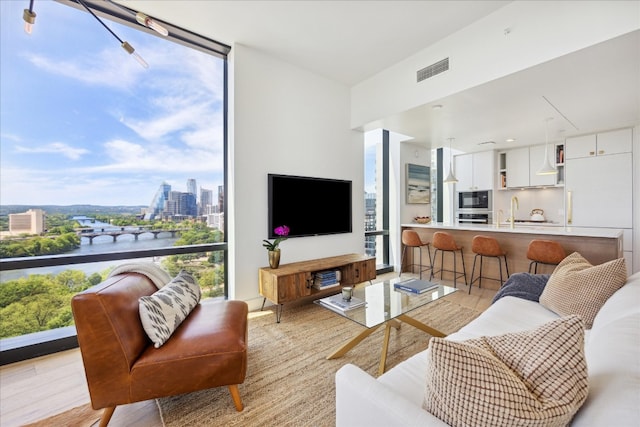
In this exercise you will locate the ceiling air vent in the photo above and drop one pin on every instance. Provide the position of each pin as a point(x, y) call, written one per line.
point(433, 69)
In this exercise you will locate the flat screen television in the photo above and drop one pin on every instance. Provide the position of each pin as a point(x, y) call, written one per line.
point(309, 206)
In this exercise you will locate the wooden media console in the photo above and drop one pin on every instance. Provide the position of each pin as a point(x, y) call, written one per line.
point(291, 282)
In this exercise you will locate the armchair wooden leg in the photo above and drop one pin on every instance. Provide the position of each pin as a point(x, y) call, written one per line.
point(235, 395)
point(106, 416)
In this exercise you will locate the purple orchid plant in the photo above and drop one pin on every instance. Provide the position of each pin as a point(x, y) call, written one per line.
point(283, 232)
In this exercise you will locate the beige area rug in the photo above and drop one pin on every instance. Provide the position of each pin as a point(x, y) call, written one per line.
point(289, 381)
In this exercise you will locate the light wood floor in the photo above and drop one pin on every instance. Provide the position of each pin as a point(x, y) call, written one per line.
point(39, 388)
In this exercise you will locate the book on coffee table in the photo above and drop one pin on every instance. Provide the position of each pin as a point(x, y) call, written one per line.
point(338, 303)
point(415, 286)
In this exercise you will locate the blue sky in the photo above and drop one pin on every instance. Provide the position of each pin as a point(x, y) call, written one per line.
point(81, 122)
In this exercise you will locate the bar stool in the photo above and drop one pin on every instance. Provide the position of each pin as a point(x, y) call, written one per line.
point(444, 242)
point(485, 246)
point(544, 252)
point(411, 239)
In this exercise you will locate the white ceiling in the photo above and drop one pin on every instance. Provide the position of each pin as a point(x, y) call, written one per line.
point(348, 41)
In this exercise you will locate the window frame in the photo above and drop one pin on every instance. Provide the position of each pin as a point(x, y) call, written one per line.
point(42, 343)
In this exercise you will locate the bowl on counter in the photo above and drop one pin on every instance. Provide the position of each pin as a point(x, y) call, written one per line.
point(422, 219)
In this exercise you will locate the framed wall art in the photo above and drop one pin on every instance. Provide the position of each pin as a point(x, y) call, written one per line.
point(418, 183)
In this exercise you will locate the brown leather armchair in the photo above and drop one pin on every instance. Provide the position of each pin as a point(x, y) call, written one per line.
point(209, 348)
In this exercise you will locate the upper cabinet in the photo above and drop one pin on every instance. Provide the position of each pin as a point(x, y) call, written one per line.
point(601, 144)
point(536, 159)
point(474, 171)
point(519, 167)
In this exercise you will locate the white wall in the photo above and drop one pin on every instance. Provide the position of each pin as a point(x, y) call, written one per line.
point(636, 199)
point(283, 119)
point(540, 31)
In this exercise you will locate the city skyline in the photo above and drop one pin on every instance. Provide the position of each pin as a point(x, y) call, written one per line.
point(83, 123)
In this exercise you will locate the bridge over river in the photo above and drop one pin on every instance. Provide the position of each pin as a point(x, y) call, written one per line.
point(91, 234)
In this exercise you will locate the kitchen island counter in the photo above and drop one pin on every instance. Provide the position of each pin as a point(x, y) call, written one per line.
point(551, 230)
point(597, 245)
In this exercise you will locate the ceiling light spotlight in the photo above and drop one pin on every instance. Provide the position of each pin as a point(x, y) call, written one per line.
point(145, 20)
point(437, 107)
point(151, 23)
point(29, 17)
point(510, 140)
point(125, 45)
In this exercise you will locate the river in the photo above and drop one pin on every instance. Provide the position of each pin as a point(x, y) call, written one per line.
point(101, 244)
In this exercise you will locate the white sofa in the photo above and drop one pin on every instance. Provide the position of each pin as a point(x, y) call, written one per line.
point(612, 349)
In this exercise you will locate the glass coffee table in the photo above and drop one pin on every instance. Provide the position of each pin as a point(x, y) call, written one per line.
point(386, 306)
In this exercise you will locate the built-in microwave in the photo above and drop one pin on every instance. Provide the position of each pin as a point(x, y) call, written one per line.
point(475, 200)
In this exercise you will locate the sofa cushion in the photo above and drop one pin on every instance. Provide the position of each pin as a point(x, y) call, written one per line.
point(536, 377)
point(577, 287)
point(162, 312)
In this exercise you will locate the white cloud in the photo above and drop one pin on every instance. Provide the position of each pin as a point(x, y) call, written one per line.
point(109, 67)
point(55, 148)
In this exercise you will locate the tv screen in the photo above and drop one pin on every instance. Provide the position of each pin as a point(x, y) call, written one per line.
point(309, 206)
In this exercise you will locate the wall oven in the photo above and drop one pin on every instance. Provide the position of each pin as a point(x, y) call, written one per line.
point(475, 218)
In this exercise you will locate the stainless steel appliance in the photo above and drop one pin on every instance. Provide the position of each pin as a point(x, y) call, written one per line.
point(475, 207)
point(475, 218)
point(476, 200)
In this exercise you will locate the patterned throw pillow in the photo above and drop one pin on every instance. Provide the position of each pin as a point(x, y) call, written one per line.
point(162, 312)
point(577, 287)
point(532, 378)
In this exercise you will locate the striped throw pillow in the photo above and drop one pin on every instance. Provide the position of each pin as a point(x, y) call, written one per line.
point(162, 312)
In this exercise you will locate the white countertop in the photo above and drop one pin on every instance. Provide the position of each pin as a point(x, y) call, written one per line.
point(612, 233)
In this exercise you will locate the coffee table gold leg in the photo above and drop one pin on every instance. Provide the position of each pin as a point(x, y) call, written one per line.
point(354, 342)
point(416, 324)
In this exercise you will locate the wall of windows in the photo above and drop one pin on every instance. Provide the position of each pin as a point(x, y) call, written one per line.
point(377, 197)
point(123, 163)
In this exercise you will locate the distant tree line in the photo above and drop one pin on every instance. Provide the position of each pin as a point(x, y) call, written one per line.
point(39, 245)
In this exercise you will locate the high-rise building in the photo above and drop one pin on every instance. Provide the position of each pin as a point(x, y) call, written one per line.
point(220, 198)
point(29, 222)
point(192, 188)
point(158, 202)
point(181, 204)
point(206, 200)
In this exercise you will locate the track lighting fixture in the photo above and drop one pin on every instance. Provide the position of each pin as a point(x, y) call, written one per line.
point(29, 17)
point(125, 45)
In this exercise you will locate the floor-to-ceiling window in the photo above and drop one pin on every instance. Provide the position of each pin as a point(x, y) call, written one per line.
point(377, 161)
point(104, 161)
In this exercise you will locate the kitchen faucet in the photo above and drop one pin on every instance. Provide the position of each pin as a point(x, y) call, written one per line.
point(514, 200)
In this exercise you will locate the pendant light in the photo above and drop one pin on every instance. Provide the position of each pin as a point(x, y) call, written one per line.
point(546, 168)
point(450, 179)
point(125, 45)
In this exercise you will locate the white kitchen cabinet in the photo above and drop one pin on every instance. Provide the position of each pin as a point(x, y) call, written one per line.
point(536, 158)
point(474, 171)
point(599, 191)
point(599, 184)
point(601, 144)
point(517, 166)
point(464, 172)
point(614, 142)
